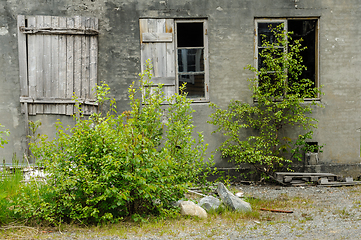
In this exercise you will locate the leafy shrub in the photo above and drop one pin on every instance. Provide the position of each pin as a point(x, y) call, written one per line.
point(3, 140)
point(112, 166)
point(279, 93)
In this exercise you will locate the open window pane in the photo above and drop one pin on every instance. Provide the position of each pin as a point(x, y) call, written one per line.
point(194, 86)
point(190, 60)
point(190, 34)
point(306, 29)
point(265, 32)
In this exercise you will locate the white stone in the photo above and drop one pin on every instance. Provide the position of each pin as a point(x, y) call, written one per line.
point(191, 209)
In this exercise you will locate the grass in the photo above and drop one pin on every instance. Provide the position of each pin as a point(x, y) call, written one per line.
point(166, 227)
point(169, 227)
point(10, 184)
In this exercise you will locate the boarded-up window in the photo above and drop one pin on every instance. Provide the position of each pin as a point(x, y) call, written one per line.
point(58, 58)
point(178, 50)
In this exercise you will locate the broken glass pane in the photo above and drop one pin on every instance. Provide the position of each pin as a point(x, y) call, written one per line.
point(194, 84)
point(190, 34)
point(265, 32)
point(190, 60)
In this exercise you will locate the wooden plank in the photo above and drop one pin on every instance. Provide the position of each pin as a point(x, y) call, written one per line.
point(23, 67)
point(85, 84)
point(57, 100)
point(31, 61)
point(26, 99)
point(47, 64)
point(170, 61)
point(143, 26)
point(157, 37)
point(93, 74)
point(39, 50)
point(152, 28)
point(54, 87)
point(77, 59)
point(170, 48)
point(166, 81)
point(93, 59)
point(276, 210)
point(70, 66)
point(338, 184)
point(58, 31)
point(161, 50)
point(62, 66)
point(304, 174)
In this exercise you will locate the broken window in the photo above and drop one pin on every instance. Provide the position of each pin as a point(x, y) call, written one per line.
point(178, 52)
point(307, 29)
point(57, 59)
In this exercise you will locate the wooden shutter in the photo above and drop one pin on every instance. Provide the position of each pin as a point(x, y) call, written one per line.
point(157, 44)
point(58, 57)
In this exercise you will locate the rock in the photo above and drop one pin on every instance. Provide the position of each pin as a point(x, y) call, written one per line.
point(191, 209)
point(232, 201)
point(209, 202)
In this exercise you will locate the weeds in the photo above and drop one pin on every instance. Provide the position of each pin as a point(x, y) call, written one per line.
point(10, 185)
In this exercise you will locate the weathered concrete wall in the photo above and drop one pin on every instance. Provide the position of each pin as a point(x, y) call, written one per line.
point(230, 39)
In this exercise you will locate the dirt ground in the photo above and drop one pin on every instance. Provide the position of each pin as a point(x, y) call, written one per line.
point(318, 213)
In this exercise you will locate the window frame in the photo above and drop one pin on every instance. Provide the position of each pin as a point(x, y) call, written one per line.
point(285, 21)
point(205, 57)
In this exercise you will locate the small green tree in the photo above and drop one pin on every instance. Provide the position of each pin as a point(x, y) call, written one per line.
point(278, 93)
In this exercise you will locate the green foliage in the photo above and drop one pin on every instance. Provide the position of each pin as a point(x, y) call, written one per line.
point(3, 140)
point(278, 93)
point(112, 166)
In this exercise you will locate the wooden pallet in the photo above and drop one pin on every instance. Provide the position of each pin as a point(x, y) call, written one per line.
point(321, 179)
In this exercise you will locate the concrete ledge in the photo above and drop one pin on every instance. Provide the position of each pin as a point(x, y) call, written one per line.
point(345, 170)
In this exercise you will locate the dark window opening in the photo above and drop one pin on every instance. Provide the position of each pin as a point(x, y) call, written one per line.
point(190, 55)
point(265, 33)
point(306, 29)
point(190, 34)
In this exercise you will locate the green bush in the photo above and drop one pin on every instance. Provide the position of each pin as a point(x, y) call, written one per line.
point(255, 132)
point(111, 166)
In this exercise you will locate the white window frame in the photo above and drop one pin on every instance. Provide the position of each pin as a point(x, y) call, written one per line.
point(205, 52)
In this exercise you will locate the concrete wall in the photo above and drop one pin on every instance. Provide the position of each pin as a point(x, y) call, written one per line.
point(230, 35)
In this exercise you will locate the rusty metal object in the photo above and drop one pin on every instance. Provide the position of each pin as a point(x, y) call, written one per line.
point(276, 210)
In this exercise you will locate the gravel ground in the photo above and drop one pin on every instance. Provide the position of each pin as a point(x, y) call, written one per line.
point(320, 213)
